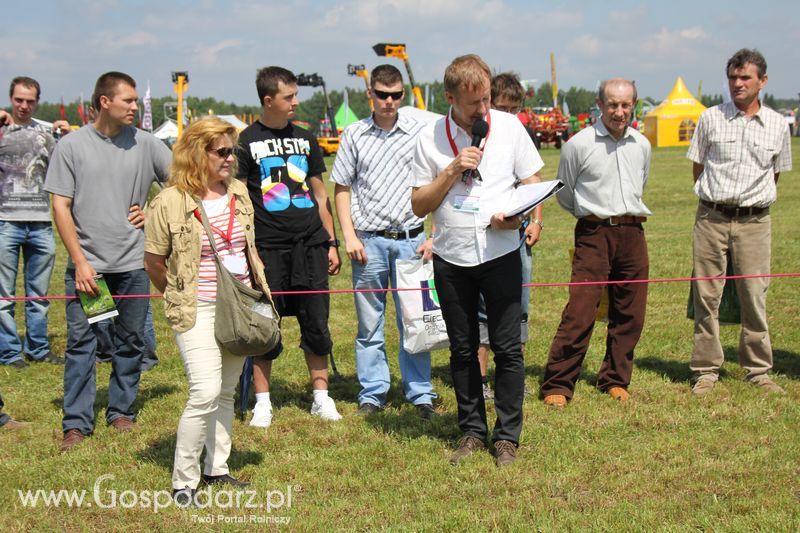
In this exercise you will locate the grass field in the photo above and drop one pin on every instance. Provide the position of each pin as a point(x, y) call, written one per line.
point(663, 461)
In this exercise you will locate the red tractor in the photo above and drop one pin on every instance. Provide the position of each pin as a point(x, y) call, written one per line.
point(549, 125)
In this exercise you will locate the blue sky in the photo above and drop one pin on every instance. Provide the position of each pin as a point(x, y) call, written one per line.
point(66, 45)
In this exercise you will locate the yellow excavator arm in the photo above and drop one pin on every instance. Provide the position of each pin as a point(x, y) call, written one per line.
point(398, 50)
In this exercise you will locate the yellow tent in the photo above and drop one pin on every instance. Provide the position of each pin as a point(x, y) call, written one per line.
point(672, 123)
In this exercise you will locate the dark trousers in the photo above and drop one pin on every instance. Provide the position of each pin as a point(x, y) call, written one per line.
point(3, 417)
point(499, 281)
point(601, 253)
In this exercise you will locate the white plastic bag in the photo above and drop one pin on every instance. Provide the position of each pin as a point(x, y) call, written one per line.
point(423, 325)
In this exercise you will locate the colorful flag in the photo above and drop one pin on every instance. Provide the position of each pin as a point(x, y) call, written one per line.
point(346, 109)
point(62, 111)
point(81, 111)
point(147, 120)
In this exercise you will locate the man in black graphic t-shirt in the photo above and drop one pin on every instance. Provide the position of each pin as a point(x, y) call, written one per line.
point(282, 166)
point(278, 165)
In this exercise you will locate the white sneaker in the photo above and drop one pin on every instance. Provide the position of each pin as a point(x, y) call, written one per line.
point(262, 415)
point(326, 410)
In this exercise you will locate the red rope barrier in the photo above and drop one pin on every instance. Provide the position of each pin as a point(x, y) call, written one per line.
point(537, 285)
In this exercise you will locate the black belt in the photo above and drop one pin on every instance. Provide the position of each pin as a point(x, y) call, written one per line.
point(399, 234)
point(734, 211)
point(625, 220)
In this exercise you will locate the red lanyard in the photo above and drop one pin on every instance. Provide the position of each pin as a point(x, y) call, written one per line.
point(229, 234)
point(450, 135)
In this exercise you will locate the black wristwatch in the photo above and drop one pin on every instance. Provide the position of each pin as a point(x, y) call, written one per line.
point(333, 243)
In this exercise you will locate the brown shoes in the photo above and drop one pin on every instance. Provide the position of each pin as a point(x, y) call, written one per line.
point(767, 385)
point(466, 446)
point(123, 424)
point(505, 452)
point(619, 394)
point(558, 401)
point(703, 386)
point(72, 437)
point(15, 424)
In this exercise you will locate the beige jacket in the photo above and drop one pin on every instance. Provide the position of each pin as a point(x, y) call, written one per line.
point(172, 230)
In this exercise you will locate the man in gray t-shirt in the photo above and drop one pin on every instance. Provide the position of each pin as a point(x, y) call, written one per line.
point(25, 227)
point(98, 175)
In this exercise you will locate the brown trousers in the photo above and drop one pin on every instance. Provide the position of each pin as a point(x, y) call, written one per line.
point(602, 252)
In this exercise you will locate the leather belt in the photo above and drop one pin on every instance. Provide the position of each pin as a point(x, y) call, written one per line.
point(734, 211)
point(625, 220)
point(398, 235)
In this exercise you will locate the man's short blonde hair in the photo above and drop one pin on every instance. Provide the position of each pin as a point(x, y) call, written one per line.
point(466, 72)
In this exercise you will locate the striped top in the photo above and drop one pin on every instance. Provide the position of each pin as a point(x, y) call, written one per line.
point(377, 165)
point(219, 216)
point(740, 155)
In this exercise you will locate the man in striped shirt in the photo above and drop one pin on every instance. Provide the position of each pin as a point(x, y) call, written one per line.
point(373, 203)
point(739, 149)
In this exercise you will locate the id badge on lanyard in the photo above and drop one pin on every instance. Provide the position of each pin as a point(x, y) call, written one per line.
point(467, 202)
point(233, 263)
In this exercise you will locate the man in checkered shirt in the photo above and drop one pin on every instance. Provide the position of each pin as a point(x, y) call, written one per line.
point(373, 203)
point(739, 149)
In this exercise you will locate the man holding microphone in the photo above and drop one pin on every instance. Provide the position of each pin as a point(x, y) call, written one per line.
point(471, 259)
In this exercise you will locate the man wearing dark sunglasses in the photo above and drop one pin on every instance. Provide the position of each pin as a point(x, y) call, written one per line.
point(373, 203)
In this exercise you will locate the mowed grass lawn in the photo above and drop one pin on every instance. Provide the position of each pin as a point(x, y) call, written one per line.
point(663, 461)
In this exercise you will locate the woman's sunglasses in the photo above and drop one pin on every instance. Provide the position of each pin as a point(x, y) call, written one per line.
point(225, 152)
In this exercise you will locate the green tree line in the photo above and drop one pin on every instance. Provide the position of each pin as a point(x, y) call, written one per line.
point(162, 108)
point(312, 110)
point(769, 100)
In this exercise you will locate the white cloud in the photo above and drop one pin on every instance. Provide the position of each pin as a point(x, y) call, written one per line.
point(222, 44)
point(209, 55)
point(585, 45)
point(695, 33)
point(676, 43)
point(107, 40)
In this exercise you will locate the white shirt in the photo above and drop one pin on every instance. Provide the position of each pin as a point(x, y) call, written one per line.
point(603, 176)
point(461, 236)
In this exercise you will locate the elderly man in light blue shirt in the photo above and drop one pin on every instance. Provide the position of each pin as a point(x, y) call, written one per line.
point(604, 169)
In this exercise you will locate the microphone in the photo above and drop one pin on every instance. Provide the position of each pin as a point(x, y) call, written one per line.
point(479, 130)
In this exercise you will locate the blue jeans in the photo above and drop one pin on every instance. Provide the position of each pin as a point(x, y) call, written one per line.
point(4, 418)
point(79, 370)
point(105, 338)
point(372, 366)
point(35, 240)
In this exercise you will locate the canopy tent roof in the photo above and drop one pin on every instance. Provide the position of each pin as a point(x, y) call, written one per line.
point(167, 130)
point(673, 121)
point(234, 121)
point(345, 116)
point(422, 115)
point(679, 102)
